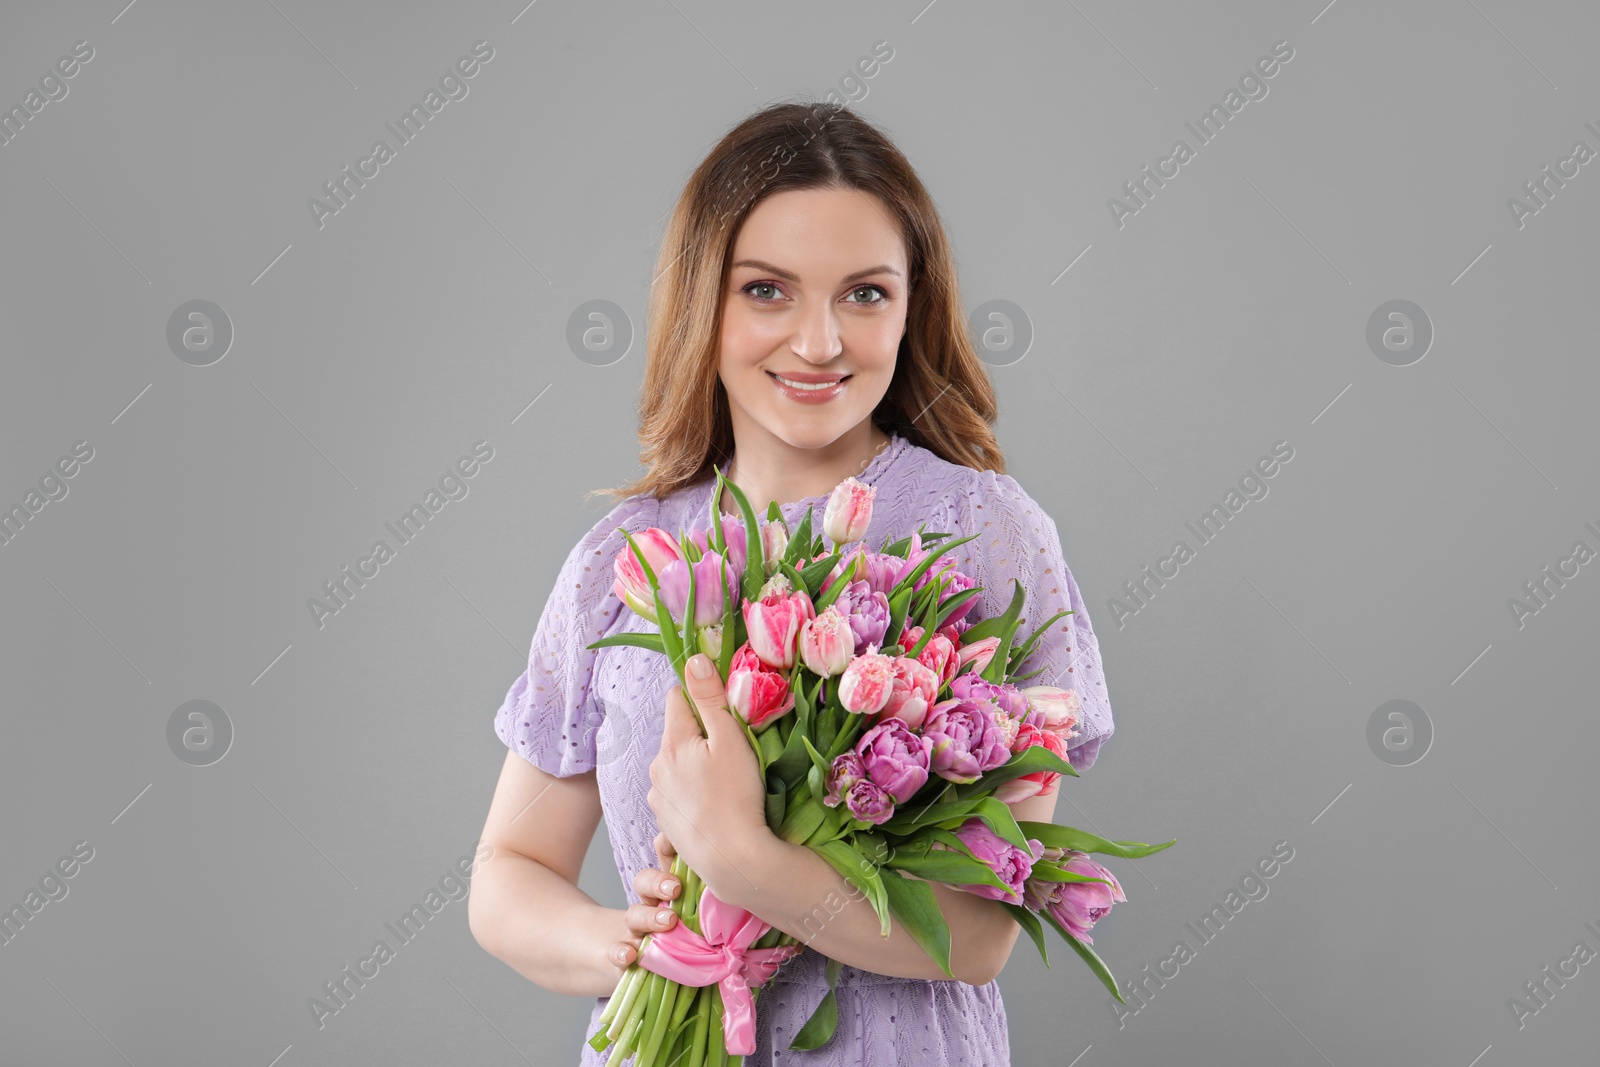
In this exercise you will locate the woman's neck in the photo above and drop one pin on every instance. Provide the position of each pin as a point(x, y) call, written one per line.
point(775, 471)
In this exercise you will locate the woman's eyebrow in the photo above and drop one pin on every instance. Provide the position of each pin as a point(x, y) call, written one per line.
point(790, 276)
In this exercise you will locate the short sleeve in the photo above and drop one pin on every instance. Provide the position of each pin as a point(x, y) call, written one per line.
point(549, 716)
point(1017, 539)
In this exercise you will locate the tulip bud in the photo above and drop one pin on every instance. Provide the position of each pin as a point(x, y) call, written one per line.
point(979, 653)
point(774, 539)
point(848, 512)
point(711, 641)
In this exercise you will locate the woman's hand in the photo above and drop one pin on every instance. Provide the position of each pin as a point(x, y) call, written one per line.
point(707, 792)
point(653, 913)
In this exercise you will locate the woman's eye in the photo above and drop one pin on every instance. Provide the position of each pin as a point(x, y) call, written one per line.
point(882, 296)
point(753, 286)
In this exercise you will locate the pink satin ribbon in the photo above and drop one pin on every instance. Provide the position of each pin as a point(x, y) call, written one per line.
point(721, 954)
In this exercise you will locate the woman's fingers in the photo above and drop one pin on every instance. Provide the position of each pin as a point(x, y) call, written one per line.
point(654, 886)
point(649, 919)
point(664, 850)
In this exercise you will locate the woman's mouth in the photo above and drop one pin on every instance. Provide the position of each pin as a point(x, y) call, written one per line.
point(816, 392)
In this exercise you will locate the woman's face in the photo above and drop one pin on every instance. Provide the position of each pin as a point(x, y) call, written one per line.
point(816, 293)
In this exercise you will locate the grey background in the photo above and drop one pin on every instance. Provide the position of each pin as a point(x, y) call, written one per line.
point(431, 312)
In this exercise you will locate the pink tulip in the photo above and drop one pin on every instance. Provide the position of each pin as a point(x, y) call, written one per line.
point(865, 684)
point(938, 655)
point(827, 642)
point(757, 694)
point(1054, 709)
point(774, 624)
point(912, 691)
point(979, 653)
point(848, 512)
point(660, 548)
point(1032, 785)
point(1077, 906)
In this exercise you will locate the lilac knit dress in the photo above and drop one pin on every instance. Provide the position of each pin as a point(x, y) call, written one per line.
point(575, 710)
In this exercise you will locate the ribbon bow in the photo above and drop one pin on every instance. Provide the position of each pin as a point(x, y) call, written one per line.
point(720, 954)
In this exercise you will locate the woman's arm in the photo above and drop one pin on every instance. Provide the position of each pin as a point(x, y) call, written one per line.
point(525, 907)
point(793, 888)
point(708, 799)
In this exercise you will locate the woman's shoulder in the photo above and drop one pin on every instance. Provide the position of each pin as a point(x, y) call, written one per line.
point(963, 488)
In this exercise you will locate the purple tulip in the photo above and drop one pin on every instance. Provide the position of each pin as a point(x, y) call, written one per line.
point(868, 611)
point(709, 598)
point(734, 536)
point(880, 571)
point(1009, 862)
point(1077, 906)
point(895, 759)
point(1003, 696)
point(868, 802)
point(846, 771)
point(966, 740)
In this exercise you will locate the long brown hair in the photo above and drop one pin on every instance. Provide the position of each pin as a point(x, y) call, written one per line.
point(940, 396)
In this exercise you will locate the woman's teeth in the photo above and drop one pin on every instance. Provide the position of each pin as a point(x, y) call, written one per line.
point(813, 386)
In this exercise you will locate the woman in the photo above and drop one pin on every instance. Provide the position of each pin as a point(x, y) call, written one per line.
point(806, 326)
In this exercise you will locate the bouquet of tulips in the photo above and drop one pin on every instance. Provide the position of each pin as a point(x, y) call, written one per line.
point(891, 736)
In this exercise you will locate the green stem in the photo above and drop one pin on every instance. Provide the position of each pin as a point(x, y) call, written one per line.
point(635, 982)
point(702, 1018)
point(717, 1048)
point(630, 1038)
point(661, 1010)
point(634, 1007)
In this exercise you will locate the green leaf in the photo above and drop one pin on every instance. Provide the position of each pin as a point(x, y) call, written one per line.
point(800, 541)
point(755, 570)
point(861, 874)
point(1054, 835)
point(995, 671)
point(944, 865)
point(777, 803)
point(818, 760)
point(802, 820)
point(646, 640)
point(913, 903)
point(813, 573)
point(1089, 956)
point(818, 1030)
point(1019, 656)
point(793, 762)
point(1048, 872)
point(957, 603)
point(997, 814)
point(1030, 923)
point(928, 816)
point(771, 744)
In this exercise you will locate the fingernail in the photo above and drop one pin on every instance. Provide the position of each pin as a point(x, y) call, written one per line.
point(622, 955)
point(700, 665)
point(664, 916)
point(669, 886)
